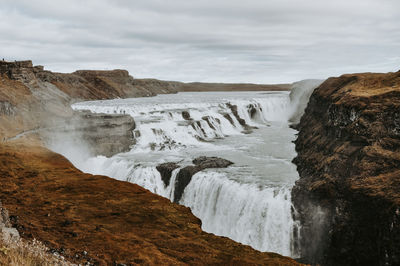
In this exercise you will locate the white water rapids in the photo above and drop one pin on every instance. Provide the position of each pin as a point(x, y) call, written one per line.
point(249, 201)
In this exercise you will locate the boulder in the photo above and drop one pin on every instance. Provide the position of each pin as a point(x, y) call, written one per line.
point(9, 234)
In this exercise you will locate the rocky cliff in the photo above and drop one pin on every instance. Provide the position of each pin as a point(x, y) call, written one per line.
point(36, 101)
point(101, 134)
point(348, 194)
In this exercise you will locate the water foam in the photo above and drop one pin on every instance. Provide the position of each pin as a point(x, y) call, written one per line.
point(251, 209)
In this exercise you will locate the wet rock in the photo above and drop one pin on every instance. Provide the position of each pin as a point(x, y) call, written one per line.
point(252, 110)
point(211, 162)
point(235, 113)
point(229, 118)
point(247, 129)
point(186, 115)
point(165, 170)
point(185, 175)
point(208, 120)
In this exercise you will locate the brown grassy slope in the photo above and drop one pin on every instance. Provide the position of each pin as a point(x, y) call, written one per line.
point(72, 212)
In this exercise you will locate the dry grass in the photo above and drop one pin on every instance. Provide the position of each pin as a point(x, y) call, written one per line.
point(28, 253)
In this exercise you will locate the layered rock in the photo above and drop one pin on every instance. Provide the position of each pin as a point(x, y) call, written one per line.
point(104, 134)
point(104, 221)
point(348, 194)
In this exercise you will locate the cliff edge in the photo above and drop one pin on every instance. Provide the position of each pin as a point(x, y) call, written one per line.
point(348, 194)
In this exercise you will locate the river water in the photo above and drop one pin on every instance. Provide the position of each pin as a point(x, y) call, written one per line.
point(249, 201)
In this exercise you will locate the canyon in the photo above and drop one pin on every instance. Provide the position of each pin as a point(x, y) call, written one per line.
point(90, 218)
point(346, 200)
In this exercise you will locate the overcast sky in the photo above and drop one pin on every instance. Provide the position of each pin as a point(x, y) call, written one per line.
point(258, 41)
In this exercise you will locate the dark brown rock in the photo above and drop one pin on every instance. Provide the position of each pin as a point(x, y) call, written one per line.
point(211, 162)
point(165, 170)
point(186, 115)
point(348, 195)
point(185, 174)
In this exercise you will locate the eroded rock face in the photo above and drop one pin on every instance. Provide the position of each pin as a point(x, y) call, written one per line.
point(104, 134)
point(348, 194)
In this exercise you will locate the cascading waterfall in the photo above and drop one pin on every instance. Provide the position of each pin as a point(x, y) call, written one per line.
point(260, 217)
point(249, 201)
point(162, 126)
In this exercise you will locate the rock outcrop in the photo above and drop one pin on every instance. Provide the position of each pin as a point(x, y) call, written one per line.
point(104, 221)
point(348, 195)
point(104, 134)
point(7, 232)
point(185, 174)
point(166, 170)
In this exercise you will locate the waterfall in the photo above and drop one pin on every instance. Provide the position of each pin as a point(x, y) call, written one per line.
point(260, 217)
point(163, 126)
point(299, 95)
point(249, 202)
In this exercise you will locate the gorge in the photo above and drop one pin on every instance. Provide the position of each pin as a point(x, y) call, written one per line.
point(225, 155)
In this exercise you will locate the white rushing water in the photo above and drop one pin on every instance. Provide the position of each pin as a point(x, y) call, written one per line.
point(249, 201)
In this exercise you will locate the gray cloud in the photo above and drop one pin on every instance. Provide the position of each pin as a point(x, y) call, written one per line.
point(220, 40)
